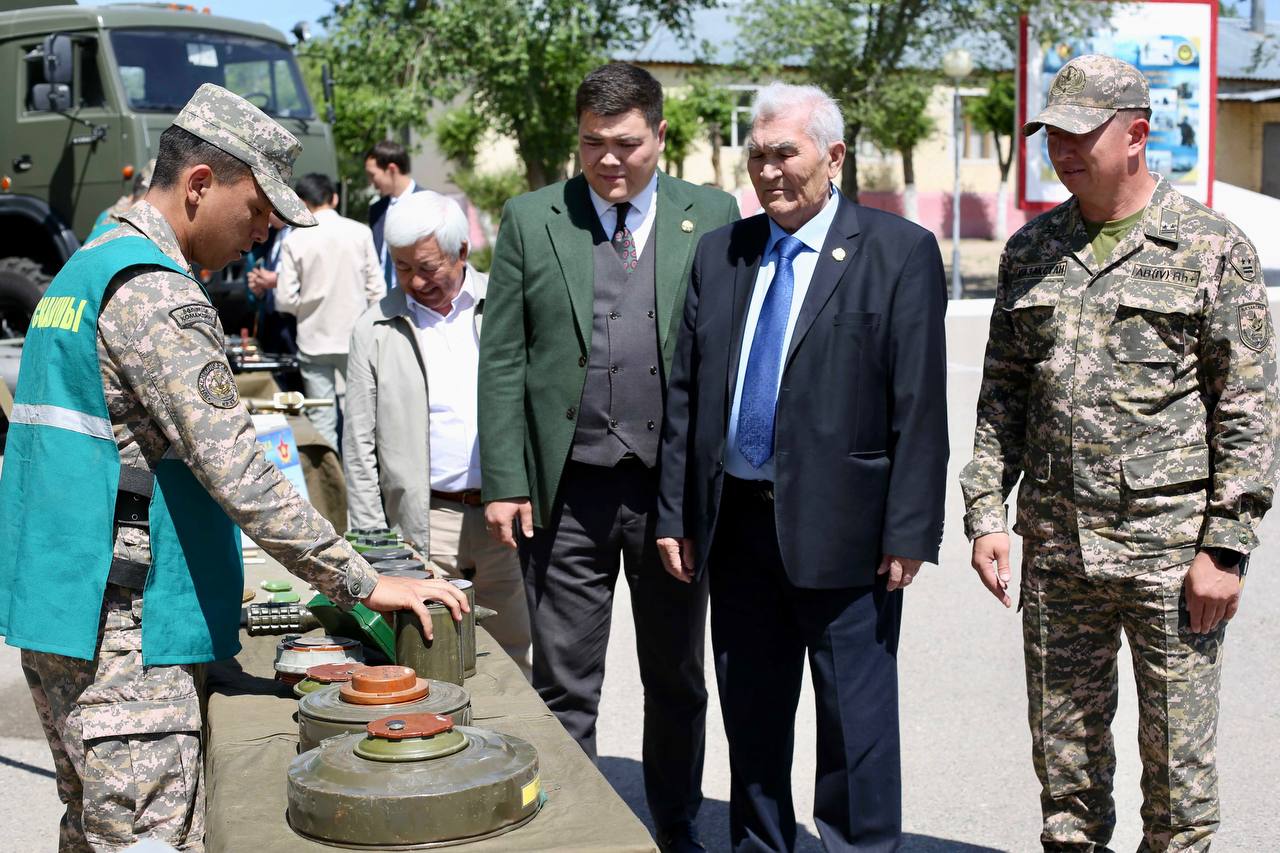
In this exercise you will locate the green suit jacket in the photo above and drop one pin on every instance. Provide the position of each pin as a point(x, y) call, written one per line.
point(537, 324)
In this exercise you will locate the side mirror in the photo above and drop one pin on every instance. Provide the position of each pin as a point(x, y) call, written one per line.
point(58, 69)
point(51, 97)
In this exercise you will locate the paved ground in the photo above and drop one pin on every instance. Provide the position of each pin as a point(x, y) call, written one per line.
point(967, 773)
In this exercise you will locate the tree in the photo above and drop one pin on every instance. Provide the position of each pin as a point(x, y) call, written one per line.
point(458, 134)
point(994, 113)
point(683, 129)
point(853, 48)
point(518, 62)
point(714, 107)
point(899, 121)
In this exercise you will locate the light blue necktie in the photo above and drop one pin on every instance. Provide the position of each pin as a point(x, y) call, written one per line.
point(388, 266)
point(760, 385)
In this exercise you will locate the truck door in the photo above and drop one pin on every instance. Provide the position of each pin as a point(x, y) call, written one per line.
point(72, 160)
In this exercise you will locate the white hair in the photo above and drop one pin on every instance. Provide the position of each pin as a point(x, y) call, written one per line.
point(420, 215)
point(825, 125)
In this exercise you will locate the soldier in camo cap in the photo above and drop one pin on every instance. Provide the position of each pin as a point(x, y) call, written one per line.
point(1130, 383)
point(126, 402)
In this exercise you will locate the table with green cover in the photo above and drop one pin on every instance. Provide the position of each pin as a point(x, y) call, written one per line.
point(252, 735)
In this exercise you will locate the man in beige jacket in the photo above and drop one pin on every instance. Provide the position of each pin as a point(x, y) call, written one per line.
point(328, 275)
point(410, 444)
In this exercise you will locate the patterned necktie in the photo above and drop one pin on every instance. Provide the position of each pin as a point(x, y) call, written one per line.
point(623, 241)
point(760, 385)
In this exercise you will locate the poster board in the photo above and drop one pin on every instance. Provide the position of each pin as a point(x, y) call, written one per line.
point(1174, 44)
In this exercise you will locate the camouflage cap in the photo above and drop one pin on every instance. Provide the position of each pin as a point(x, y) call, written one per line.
point(1088, 91)
point(228, 121)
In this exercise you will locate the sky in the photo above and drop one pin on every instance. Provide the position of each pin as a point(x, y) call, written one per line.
point(281, 15)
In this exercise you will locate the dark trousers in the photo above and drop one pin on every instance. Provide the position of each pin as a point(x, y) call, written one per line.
point(570, 569)
point(762, 626)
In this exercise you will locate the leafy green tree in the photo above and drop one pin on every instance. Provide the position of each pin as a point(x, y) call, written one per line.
point(458, 134)
point(994, 113)
point(714, 107)
point(853, 48)
point(898, 121)
point(518, 62)
point(683, 128)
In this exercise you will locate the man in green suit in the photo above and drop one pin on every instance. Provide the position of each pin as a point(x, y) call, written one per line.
point(584, 303)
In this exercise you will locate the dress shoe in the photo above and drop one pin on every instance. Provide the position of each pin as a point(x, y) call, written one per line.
point(682, 838)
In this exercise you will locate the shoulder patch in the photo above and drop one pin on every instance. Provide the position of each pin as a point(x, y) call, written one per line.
point(194, 313)
point(1244, 261)
point(1255, 325)
point(217, 386)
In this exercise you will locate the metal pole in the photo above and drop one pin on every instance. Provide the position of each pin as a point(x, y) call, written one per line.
point(956, 286)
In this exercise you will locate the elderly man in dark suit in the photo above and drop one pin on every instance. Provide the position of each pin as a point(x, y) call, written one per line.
point(803, 468)
point(584, 303)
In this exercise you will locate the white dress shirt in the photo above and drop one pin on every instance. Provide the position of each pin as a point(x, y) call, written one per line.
point(328, 274)
point(451, 353)
point(813, 234)
point(644, 210)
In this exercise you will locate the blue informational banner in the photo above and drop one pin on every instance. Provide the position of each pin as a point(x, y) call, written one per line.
point(1173, 44)
point(276, 438)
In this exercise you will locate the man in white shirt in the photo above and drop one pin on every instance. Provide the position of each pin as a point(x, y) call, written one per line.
point(386, 165)
point(411, 446)
point(328, 275)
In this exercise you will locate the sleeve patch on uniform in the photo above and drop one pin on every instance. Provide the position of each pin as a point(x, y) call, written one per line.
point(1244, 261)
point(1255, 325)
point(192, 314)
point(218, 386)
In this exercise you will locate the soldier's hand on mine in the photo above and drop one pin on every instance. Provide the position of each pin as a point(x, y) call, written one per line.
point(393, 594)
point(500, 518)
point(991, 562)
point(1212, 592)
point(677, 558)
point(901, 571)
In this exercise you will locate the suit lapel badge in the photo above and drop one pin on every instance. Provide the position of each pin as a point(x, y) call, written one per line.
point(687, 226)
point(838, 253)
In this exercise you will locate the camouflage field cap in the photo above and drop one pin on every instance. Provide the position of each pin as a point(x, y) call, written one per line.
point(242, 130)
point(1088, 91)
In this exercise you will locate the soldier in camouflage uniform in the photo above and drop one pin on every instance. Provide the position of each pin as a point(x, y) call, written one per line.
point(1130, 381)
point(125, 736)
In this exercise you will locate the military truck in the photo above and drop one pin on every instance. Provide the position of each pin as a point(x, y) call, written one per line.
point(91, 89)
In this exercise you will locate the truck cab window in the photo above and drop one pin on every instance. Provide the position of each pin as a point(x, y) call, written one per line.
point(159, 69)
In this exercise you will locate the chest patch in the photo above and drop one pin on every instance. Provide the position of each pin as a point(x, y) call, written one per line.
point(217, 386)
point(1180, 276)
point(1057, 269)
point(193, 314)
point(1255, 330)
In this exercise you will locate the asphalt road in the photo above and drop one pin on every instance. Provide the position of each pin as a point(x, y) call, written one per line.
point(968, 781)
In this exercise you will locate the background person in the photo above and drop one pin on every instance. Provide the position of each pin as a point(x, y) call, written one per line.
point(411, 447)
point(803, 465)
point(328, 276)
point(1130, 382)
point(584, 294)
point(387, 166)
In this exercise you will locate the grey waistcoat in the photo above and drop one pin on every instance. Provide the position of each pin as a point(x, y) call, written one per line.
point(621, 409)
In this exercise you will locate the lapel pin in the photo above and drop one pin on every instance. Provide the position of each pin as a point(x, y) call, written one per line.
point(837, 253)
point(686, 226)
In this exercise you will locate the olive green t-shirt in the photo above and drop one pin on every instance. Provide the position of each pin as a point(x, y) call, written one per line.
point(1104, 236)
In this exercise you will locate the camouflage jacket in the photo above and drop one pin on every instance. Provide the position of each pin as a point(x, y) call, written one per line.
point(1135, 398)
point(169, 390)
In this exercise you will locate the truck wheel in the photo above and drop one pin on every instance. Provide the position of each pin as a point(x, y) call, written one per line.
point(22, 283)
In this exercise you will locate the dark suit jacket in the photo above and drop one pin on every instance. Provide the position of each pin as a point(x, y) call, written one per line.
point(537, 323)
point(378, 218)
point(860, 448)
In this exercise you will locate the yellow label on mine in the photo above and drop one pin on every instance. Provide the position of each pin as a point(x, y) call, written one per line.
point(529, 793)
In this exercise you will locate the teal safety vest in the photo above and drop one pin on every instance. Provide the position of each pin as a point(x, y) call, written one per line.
point(58, 495)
